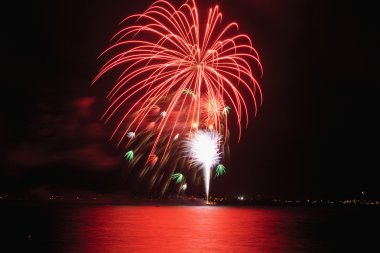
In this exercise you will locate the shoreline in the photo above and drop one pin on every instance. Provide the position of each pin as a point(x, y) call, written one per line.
point(195, 202)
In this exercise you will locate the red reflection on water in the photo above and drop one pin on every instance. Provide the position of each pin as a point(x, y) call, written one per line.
point(177, 229)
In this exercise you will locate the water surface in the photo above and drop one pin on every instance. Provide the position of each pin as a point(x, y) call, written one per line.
point(116, 229)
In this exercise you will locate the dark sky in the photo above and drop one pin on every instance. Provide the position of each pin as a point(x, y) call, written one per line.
point(316, 134)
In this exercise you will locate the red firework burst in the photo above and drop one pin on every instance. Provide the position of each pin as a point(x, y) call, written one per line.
point(185, 73)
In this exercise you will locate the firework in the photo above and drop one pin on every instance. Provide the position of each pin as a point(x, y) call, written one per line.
point(184, 187)
point(178, 178)
point(220, 170)
point(129, 155)
point(180, 78)
point(203, 148)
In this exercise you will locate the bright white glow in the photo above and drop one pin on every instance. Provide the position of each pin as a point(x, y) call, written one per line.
point(163, 114)
point(204, 149)
point(184, 187)
point(131, 135)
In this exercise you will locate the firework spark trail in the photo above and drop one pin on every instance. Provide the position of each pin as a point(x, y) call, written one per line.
point(203, 148)
point(200, 71)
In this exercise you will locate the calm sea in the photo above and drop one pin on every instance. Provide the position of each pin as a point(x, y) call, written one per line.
point(121, 229)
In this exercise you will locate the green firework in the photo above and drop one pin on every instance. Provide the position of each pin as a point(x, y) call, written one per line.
point(129, 155)
point(220, 170)
point(178, 178)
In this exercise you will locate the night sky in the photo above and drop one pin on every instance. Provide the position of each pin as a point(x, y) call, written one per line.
point(316, 135)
